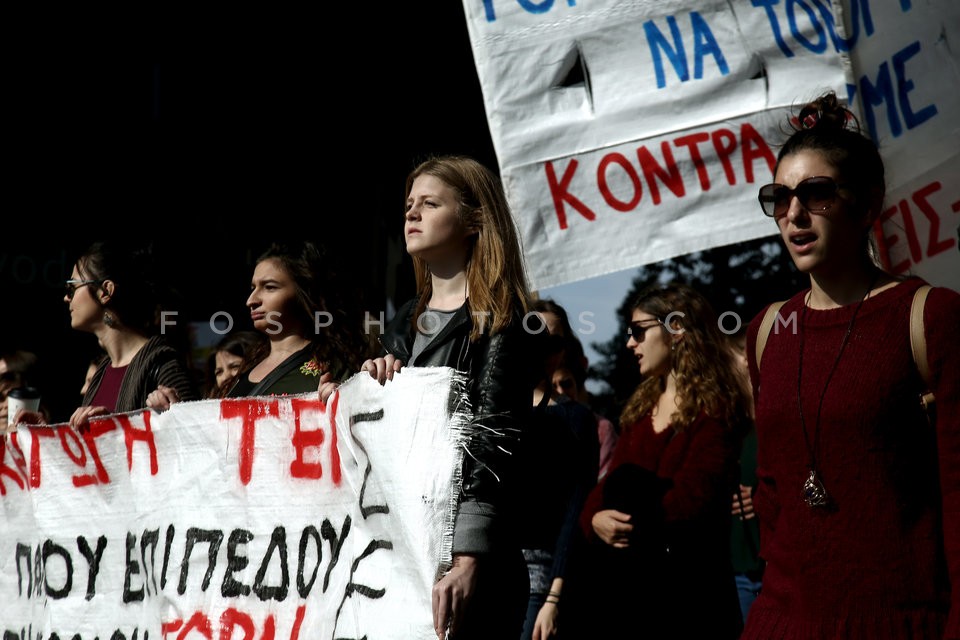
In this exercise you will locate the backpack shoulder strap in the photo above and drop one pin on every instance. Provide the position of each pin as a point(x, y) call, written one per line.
point(918, 341)
point(765, 326)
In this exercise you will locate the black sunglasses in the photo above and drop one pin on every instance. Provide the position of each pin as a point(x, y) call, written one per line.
point(638, 330)
point(816, 195)
point(71, 286)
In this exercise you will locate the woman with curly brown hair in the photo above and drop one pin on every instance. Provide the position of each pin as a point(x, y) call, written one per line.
point(655, 558)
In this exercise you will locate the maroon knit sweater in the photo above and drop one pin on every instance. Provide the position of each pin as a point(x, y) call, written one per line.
point(698, 467)
point(700, 462)
point(879, 564)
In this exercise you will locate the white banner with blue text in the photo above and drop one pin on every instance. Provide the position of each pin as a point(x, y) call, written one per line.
point(632, 131)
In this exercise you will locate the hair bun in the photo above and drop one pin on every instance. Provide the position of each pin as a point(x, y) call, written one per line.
point(826, 112)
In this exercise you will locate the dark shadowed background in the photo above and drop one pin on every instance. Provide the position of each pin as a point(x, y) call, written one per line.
point(212, 134)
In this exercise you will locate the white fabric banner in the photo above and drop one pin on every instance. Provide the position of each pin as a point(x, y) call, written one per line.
point(630, 131)
point(236, 519)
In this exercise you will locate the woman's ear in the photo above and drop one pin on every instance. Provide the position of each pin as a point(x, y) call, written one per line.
point(473, 230)
point(675, 331)
point(105, 292)
point(676, 327)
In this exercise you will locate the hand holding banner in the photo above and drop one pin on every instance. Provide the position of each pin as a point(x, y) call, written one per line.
point(279, 516)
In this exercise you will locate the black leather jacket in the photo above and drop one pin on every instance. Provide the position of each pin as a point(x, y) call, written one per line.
point(501, 371)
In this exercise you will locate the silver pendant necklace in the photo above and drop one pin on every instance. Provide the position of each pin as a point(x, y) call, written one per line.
point(814, 493)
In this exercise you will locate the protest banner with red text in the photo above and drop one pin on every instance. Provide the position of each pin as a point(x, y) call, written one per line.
point(273, 518)
point(630, 132)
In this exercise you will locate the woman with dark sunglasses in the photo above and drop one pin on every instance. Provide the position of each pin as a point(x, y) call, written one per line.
point(859, 495)
point(654, 559)
point(114, 292)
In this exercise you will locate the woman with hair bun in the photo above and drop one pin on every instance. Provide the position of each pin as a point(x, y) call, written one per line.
point(859, 494)
point(115, 293)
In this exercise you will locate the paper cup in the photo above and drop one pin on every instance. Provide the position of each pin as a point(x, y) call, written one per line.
point(22, 398)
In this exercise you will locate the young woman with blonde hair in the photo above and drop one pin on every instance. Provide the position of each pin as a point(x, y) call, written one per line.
point(469, 313)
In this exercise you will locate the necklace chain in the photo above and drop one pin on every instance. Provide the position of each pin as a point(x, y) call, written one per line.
point(813, 447)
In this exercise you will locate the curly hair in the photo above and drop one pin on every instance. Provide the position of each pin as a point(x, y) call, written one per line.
point(706, 374)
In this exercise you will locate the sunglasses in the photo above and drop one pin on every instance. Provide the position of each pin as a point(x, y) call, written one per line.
point(638, 330)
point(816, 195)
point(71, 286)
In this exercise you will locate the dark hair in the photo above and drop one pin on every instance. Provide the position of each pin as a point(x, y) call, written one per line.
point(240, 343)
point(828, 127)
point(139, 296)
point(244, 345)
point(573, 345)
point(547, 305)
point(22, 368)
point(574, 361)
point(341, 342)
point(19, 360)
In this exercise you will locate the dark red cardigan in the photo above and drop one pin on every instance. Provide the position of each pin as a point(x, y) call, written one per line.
point(698, 468)
point(700, 461)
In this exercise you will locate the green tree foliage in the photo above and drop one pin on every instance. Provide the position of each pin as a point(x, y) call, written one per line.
point(738, 279)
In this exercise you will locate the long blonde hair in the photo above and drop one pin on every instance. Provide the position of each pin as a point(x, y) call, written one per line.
point(705, 370)
point(495, 272)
